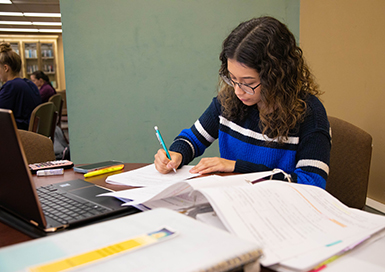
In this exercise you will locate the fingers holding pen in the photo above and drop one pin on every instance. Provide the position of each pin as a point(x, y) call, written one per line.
point(176, 160)
point(163, 164)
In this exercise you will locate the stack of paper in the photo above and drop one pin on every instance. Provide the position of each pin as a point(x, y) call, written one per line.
point(298, 226)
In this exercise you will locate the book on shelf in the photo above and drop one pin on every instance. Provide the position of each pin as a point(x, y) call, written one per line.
point(47, 53)
point(30, 53)
point(297, 226)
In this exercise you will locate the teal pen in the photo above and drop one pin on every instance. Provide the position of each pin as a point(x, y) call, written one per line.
point(157, 133)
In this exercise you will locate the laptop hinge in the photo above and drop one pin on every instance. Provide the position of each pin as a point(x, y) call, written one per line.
point(33, 222)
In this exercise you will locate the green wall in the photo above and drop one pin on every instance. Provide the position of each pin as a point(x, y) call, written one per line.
point(133, 64)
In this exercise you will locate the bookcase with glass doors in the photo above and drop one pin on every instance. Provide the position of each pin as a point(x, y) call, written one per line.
point(40, 56)
point(37, 54)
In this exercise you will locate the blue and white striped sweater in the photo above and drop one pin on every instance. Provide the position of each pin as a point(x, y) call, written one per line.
point(304, 155)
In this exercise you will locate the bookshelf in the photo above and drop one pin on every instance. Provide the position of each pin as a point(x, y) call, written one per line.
point(37, 53)
point(40, 56)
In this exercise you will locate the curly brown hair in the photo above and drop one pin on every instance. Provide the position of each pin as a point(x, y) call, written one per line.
point(267, 45)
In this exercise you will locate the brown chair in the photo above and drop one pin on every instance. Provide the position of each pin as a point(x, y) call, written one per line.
point(350, 158)
point(58, 101)
point(64, 117)
point(43, 120)
point(37, 148)
point(64, 96)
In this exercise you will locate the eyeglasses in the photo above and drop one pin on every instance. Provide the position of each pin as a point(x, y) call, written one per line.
point(244, 87)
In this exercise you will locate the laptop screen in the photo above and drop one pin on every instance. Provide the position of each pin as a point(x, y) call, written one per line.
point(17, 190)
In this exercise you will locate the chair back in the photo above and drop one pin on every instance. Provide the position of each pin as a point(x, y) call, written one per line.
point(43, 120)
point(58, 101)
point(64, 96)
point(350, 158)
point(37, 148)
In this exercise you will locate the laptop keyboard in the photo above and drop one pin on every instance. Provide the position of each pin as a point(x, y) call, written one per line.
point(65, 209)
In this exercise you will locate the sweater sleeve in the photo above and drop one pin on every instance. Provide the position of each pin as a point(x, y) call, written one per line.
point(312, 163)
point(192, 142)
point(312, 155)
point(313, 159)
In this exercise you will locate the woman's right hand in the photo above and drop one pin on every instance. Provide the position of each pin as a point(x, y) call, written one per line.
point(163, 164)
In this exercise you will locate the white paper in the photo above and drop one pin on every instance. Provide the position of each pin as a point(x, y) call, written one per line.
point(149, 176)
point(184, 196)
point(366, 256)
point(288, 219)
point(211, 219)
point(309, 260)
point(139, 195)
point(180, 190)
point(180, 196)
point(313, 258)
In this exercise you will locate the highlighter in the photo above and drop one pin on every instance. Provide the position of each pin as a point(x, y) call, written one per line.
point(104, 170)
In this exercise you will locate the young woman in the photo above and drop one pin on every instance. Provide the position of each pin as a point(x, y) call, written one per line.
point(19, 95)
point(41, 80)
point(266, 115)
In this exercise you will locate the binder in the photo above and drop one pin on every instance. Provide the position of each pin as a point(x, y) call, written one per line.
point(197, 247)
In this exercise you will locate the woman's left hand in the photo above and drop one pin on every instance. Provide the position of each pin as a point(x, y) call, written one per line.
point(215, 164)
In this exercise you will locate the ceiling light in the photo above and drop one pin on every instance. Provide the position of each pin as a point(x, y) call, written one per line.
point(34, 14)
point(11, 13)
point(47, 23)
point(15, 23)
point(30, 14)
point(30, 30)
point(5, 2)
point(30, 23)
point(19, 29)
point(50, 30)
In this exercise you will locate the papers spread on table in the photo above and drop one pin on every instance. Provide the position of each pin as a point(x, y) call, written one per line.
point(149, 176)
point(298, 226)
point(179, 195)
point(290, 220)
point(368, 256)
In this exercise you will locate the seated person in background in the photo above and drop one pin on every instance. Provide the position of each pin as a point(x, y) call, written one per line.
point(266, 115)
point(42, 82)
point(17, 94)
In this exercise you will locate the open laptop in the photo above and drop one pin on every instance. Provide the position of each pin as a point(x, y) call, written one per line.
point(20, 205)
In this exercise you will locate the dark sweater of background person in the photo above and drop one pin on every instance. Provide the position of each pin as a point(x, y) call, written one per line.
point(22, 97)
point(42, 82)
point(17, 94)
point(46, 91)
